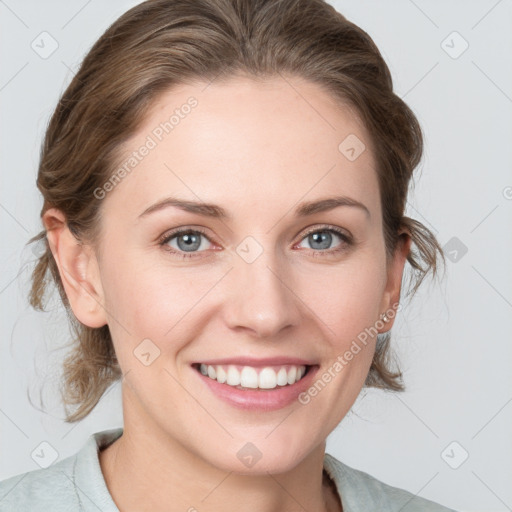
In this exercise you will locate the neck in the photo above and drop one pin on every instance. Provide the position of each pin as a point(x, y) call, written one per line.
point(146, 469)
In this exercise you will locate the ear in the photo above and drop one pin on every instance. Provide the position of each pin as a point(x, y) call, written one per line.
point(391, 296)
point(78, 269)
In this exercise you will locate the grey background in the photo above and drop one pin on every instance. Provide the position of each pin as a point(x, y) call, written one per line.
point(453, 339)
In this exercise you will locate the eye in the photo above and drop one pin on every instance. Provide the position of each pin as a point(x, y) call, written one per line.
point(188, 242)
point(183, 241)
point(322, 239)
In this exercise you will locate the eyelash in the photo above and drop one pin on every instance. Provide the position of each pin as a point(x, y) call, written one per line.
point(167, 237)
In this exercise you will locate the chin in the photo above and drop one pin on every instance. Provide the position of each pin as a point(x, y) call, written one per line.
point(261, 456)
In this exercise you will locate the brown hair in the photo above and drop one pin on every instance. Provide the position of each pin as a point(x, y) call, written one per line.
point(162, 43)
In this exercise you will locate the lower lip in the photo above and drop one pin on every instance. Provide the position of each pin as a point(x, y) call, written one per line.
point(260, 399)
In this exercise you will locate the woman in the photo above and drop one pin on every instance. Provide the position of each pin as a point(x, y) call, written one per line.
point(224, 188)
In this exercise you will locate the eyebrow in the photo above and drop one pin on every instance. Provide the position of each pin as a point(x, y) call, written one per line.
point(217, 212)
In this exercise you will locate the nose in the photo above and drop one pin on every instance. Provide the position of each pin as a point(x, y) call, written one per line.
point(261, 298)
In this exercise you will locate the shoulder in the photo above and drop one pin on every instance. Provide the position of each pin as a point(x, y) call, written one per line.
point(361, 491)
point(41, 489)
point(70, 484)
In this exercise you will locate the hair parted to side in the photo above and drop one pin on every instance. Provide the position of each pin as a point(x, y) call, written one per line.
point(162, 43)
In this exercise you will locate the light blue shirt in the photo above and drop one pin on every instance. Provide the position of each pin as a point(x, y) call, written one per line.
point(77, 484)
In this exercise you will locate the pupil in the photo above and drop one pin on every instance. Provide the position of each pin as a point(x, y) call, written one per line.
point(190, 242)
point(324, 238)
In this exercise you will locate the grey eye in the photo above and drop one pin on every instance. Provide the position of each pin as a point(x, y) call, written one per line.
point(321, 239)
point(188, 241)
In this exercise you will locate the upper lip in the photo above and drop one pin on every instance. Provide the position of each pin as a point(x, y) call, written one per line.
point(251, 361)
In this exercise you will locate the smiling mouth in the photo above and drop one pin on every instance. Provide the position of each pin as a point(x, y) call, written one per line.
point(249, 377)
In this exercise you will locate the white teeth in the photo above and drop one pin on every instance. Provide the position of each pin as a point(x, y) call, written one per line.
point(249, 377)
point(282, 377)
point(267, 378)
point(292, 375)
point(233, 376)
point(221, 375)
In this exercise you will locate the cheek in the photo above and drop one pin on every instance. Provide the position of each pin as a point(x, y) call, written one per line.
point(153, 301)
point(346, 297)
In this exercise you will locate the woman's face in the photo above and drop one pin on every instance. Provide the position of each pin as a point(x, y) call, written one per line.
point(263, 279)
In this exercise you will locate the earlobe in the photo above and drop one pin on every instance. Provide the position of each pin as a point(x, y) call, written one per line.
point(78, 270)
point(391, 297)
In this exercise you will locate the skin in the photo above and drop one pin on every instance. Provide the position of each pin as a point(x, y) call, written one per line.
point(258, 149)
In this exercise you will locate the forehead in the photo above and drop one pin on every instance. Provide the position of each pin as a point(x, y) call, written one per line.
point(271, 141)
